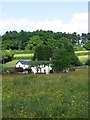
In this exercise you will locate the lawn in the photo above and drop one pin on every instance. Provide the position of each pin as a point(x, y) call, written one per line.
point(57, 95)
point(23, 56)
point(10, 64)
point(86, 51)
point(81, 53)
point(83, 58)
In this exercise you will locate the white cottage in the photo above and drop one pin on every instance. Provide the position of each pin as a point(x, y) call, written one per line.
point(39, 68)
point(23, 63)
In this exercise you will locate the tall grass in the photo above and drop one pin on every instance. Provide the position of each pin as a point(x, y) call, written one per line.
point(58, 95)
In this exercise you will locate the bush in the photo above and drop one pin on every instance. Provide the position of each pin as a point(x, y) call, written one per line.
point(75, 61)
point(88, 62)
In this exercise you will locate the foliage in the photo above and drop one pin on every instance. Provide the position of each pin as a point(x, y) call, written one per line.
point(22, 51)
point(60, 59)
point(87, 45)
point(67, 53)
point(46, 96)
point(34, 42)
point(28, 40)
point(43, 52)
point(79, 48)
point(75, 61)
point(88, 62)
point(36, 63)
point(7, 55)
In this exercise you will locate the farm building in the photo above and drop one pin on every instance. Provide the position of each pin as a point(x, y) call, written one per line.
point(22, 63)
point(35, 66)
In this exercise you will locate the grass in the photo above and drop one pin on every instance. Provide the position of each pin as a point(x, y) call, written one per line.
point(10, 64)
point(23, 56)
point(83, 58)
point(81, 53)
point(58, 95)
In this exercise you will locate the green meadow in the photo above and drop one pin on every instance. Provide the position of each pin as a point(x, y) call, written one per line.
point(57, 95)
point(23, 56)
point(83, 58)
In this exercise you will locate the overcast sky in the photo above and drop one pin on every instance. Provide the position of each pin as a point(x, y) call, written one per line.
point(56, 16)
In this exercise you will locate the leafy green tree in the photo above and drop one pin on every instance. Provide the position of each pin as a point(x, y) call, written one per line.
point(51, 42)
point(43, 52)
point(60, 59)
point(34, 42)
point(87, 45)
point(84, 37)
point(64, 43)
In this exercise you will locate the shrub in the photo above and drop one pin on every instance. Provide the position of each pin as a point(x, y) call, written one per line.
point(88, 62)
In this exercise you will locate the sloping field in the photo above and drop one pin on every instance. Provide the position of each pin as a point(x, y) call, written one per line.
point(84, 58)
point(23, 56)
point(81, 53)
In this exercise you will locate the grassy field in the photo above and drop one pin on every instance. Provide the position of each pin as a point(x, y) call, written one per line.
point(82, 53)
point(58, 95)
point(83, 58)
point(10, 64)
point(86, 51)
point(23, 56)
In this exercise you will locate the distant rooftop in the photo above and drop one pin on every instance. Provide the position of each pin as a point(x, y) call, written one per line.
point(24, 62)
point(27, 62)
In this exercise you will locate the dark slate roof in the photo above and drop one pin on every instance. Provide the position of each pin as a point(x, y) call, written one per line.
point(24, 62)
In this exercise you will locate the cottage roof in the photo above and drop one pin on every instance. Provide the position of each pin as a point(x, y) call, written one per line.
point(27, 62)
point(24, 62)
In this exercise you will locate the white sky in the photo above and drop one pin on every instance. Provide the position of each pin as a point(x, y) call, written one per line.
point(56, 16)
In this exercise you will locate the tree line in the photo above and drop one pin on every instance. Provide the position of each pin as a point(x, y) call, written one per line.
point(24, 40)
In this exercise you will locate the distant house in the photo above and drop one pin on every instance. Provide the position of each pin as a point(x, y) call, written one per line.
point(23, 63)
point(35, 66)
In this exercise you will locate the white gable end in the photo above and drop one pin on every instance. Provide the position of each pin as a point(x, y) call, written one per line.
point(19, 64)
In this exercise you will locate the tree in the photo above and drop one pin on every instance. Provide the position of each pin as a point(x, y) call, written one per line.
point(60, 59)
point(34, 42)
point(43, 52)
point(64, 43)
point(51, 42)
point(87, 45)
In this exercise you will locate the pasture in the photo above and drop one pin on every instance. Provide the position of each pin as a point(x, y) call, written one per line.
point(23, 56)
point(81, 53)
point(58, 95)
point(83, 58)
